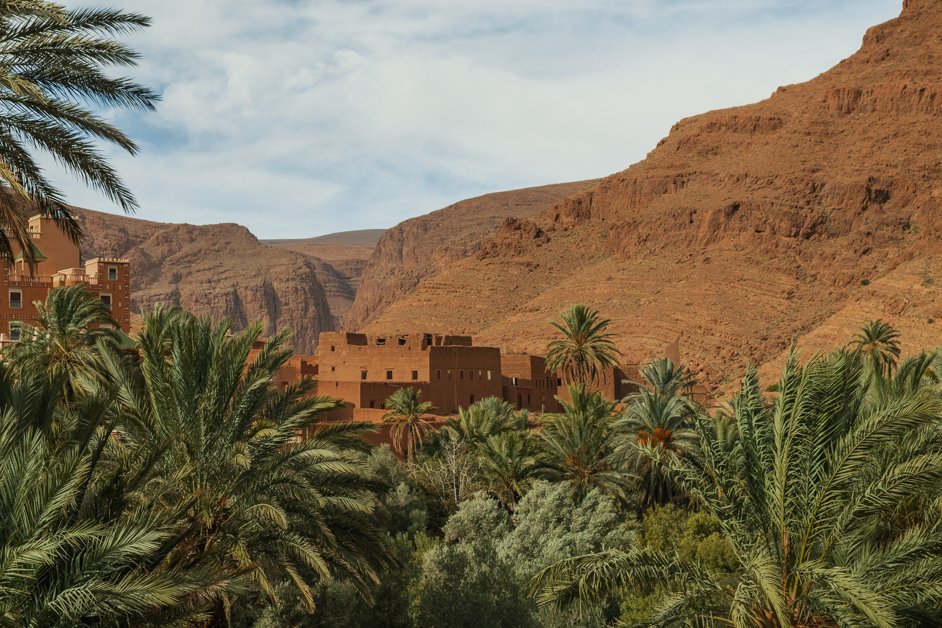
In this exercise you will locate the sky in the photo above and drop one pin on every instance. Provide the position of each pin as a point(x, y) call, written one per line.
point(298, 118)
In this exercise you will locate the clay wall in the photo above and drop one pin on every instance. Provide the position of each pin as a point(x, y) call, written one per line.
point(616, 384)
point(58, 264)
point(526, 384)
point(52, 245)
point(462, 375)
point(110, 279)
point(356, 357)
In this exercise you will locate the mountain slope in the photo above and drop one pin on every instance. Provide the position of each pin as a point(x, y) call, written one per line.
point(742, 229)
point(420, 247)
point(218, 270)
point(340, 259)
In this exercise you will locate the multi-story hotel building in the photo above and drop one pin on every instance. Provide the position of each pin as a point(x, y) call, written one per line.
point(58, 262)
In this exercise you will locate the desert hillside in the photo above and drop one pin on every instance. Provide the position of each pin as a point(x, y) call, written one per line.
point(339, 259)
point(801, 215)
point(219, 270)
point(420, 247)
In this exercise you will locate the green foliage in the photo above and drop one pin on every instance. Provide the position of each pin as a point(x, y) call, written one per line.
point(580, 445)
point(879, 342)
point(661, 418)
point(479, 523)
point(402, 507)
point(56, 63)
point(550, 524)
point(176, 485)
point(58, 567)
point(800, 486)
point(463, 586)
point(694, 536)
point(404, 411)
point(463, 581)
point(64, 343)
point(585, 350)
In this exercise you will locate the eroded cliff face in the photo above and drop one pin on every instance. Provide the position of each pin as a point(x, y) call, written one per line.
point(418, 248)
point(217, 270)
point(340, 259)
point(742, 229)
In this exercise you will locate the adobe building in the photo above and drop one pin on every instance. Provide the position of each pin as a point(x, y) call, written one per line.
point(297, 368)
point(58, 262)
point(365, 370)
point(615, 383)
point(526, 383)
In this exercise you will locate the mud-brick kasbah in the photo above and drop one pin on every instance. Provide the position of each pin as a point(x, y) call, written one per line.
point(451, 373)
point(363, 370)
point(57, 261)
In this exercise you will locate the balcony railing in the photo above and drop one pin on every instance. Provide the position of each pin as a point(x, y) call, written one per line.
point(30, 280)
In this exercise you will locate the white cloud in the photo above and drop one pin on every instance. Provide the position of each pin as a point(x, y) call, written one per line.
point(302, 117)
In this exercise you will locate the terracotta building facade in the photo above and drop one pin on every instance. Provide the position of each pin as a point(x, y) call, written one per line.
point(58, 262)
point(365, 370)
point(450, 371)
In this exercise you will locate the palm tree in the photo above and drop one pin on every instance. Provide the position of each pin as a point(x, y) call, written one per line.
point(404, 410)
point(64, 558)
point(56, 569)
point(660, 418)
point(65, 342)
point(801, 486)
point(879, 342)
point(580, 444)
point(55, 63)
point(481, 420)
point(253, 481)
point(585, 350)
point(509, 463)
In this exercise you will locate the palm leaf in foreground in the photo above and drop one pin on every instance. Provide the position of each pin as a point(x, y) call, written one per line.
point(802, 493)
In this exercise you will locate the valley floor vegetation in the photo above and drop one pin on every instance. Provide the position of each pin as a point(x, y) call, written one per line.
point(168, 481)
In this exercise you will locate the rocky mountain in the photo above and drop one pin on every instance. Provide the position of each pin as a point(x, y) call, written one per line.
point(218, 270)
point(421, 247)
point(801, 215)
point(340, 259)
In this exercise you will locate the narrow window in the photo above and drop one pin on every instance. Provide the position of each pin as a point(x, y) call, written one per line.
point(112, 273)
point(513, 381)
point(333, 348)
point(460, 373)
point(389, 374)
point(480, 374)
point(559, 382)
point(402, 341)
point(106, 300)
point(382, 405)
point(470, 373)
point(363, 374)
point(333, 368)
point(372, 403)
point(449, 373)
point(488, 376)
point(415, 375)
point(438, 373)
point(16, 330)
point(16, 299)
point(471, 398)
point(380, 341)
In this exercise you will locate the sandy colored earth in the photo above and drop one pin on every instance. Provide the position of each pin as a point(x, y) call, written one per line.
point(802, 215)
point(217, 270)
point(340, 259)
